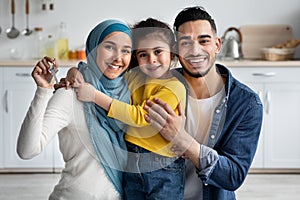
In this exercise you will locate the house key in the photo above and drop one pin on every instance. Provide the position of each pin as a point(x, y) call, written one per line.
point(53, 72)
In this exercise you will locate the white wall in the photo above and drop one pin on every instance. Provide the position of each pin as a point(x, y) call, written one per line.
point(81, 16)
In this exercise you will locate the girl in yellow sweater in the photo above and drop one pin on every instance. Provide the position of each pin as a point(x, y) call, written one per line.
point(153, 170)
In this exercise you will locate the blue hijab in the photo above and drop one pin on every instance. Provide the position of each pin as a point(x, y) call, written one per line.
point(107, 134)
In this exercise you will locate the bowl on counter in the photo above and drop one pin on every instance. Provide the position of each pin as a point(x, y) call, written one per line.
point(277, 54)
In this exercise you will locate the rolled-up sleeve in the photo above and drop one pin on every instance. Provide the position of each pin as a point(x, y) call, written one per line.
point(208, 159)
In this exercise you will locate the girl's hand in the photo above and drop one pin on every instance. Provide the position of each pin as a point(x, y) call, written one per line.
point(85, 92)
point(41, 72)
point(73, 75)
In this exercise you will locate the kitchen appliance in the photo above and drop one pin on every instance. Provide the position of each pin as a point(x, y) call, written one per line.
point(231, 47)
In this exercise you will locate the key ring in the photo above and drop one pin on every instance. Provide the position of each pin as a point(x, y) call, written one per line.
point(53, 72)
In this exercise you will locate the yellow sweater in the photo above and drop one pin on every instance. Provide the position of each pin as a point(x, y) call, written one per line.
point(143, 88)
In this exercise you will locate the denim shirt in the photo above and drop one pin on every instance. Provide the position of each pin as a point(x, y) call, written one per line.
point(232, 141)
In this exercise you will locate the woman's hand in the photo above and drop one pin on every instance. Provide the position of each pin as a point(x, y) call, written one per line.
point(41, 73)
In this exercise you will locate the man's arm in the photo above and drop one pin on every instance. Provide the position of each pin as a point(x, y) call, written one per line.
point(225, 168)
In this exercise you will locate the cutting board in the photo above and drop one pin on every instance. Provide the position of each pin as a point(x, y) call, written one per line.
point(256, 37)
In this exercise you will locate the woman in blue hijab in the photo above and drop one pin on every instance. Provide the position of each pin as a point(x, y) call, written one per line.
point(91, 143)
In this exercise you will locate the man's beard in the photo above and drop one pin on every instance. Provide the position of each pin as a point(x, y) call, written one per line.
point(196, 74)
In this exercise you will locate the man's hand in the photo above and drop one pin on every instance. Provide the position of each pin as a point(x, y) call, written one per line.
point(41, 72)
point(170, 125)
point(163, 118)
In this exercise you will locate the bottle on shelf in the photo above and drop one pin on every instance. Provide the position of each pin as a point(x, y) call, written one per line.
point(62, 43)
point(50, 47)
point(40, 43)
point(81, 53)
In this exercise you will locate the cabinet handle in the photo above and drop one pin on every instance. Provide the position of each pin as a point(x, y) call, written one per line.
point(6, 101)
point(267, 74)
point(259, 93)
point(23, 74)
point(268, 101)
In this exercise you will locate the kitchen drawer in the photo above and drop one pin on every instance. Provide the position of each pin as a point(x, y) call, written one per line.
point(17, 74)
point(267, 75)
point(21, 74)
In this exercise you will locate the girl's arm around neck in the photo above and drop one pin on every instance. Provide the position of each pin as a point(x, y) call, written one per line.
point(103, 100)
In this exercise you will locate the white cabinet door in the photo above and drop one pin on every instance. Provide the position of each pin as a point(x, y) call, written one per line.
point(19, 89)
point(279, 89)
point(1, 120)
point(283, 124)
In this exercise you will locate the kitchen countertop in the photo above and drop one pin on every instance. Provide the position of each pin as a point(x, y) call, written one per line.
point(228, 63)
point(32, 63)
point(259, 63)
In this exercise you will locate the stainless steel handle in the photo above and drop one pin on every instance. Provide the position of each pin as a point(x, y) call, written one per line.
point(266, 74)
point(259, 93)
point(6, 101)
point(268, 102)
point(23, 74)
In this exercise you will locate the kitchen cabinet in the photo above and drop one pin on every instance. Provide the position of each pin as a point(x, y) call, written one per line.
point(1, 121)
point(17, 90)
point(279, 90)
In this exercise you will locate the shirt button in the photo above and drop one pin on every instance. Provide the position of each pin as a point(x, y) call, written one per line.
point(212, 136)
point(218, 111)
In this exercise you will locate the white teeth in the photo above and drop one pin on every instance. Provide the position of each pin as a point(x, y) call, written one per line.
point(113, 66)
point(198, 60)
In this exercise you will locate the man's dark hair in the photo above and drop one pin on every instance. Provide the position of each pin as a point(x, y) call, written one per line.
point(193, 14)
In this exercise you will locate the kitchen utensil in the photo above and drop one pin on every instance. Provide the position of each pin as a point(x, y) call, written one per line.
point(256, 37)
point(231, 48)
point(27, 31)
point(12, 32)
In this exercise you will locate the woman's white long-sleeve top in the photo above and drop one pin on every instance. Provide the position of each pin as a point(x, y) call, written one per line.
point(83, 177)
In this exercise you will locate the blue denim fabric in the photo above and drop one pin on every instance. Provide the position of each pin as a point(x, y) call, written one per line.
point(232, 141)
point(151, 176)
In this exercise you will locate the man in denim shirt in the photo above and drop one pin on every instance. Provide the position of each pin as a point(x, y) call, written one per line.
point(223, 116)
